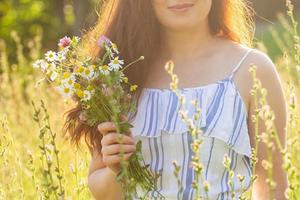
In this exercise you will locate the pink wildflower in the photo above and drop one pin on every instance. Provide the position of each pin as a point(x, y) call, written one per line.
point(64, 42)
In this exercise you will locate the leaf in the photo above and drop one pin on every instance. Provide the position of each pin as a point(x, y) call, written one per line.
point(125, 127)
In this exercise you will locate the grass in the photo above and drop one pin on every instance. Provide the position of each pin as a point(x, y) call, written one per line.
point(36, 162)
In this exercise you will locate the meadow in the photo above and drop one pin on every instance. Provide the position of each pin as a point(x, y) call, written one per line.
point(37, 162)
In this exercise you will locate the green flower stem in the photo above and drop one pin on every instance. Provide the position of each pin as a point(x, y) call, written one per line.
point(133, 62)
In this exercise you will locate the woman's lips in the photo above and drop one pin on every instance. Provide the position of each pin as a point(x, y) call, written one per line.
point(181, 7)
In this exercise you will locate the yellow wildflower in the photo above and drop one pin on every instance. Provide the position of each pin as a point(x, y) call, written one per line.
point(133, 88)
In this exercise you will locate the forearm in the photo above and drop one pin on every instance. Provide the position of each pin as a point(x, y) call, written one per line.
point(103, 185)
point(265, 195)
point(261, 190)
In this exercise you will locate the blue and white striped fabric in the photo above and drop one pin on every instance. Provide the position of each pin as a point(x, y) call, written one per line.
point(165, 138)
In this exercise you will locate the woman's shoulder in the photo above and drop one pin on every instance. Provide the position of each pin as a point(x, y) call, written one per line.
point(256, 56)
point(264, 64)
point(266, 71)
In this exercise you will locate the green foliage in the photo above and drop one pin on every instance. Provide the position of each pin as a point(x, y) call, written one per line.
point(27, 142)
point(29, 17)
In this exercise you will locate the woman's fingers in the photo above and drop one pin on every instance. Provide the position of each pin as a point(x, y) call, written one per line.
point(106, 127)
point(117, 149)
point(114, 159)
point(112, 138)
point(124, 118)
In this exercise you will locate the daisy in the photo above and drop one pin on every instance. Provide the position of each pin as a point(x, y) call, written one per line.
point(53, 75)
point(66, 92)
point(79, 70)
point(44, 65)
point(37, 64)
point(51, 67)
point(40, 64)
point(88, 72)
point(51, 56)
point(68, 80)
point(61, 56)
point(87, 95)
point(104, 69)
point(116, 64)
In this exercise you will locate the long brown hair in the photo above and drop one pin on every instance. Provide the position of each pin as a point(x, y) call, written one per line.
point(133, 26)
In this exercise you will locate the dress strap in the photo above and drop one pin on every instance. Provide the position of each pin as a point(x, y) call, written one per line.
point(240, 62)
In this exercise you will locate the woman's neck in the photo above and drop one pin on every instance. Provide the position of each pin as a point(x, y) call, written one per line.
point(188, 42)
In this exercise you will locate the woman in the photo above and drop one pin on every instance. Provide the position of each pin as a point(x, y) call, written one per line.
point(210, 44)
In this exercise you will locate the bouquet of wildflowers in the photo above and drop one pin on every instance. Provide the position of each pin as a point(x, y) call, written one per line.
point(104, 93)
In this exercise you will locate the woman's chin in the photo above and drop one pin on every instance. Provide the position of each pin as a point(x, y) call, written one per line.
point(180, 26)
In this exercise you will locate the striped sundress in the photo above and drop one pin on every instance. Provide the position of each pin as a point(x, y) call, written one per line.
point(165, 138)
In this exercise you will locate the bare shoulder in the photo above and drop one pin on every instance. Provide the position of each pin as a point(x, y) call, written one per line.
point(260, 59)
point(268, 75)
point(266, 72)
point(265, 67)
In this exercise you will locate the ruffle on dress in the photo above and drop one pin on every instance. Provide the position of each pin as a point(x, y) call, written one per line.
point(223, 114)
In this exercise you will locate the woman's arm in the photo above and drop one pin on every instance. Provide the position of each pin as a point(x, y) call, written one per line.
point(267, 74)
point(105, 165)
point(101, 180)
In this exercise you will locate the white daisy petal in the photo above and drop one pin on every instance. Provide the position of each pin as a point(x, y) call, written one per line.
point(66, 92)
point(51, 56)
point(53, 76)
point(116, 64)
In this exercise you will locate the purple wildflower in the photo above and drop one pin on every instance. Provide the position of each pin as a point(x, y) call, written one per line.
point(102, 40)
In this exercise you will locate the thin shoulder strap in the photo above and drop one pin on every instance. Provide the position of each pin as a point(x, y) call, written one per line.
point(240, 62)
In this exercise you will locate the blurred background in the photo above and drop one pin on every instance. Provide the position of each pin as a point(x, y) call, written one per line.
point(38, 164)
point(56, 18)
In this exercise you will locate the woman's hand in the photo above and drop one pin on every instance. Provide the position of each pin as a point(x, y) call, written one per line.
point(111, 148)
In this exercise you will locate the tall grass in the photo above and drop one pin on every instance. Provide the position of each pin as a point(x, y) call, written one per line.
point(36, 163)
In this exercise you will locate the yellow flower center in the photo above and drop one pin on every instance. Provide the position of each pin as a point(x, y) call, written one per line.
point(79, 93)
point(80, 69)
point(87, 71)
point(67, 75)
point(66, 90)
point(114, 46)
point(104, 67)
point(90, 88)
point(116, 61)
point(77, 85)
point(94, 67)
